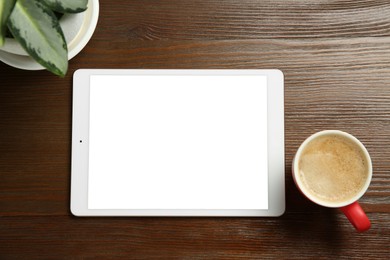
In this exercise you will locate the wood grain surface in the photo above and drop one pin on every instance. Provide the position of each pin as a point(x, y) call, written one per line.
point(335, 56)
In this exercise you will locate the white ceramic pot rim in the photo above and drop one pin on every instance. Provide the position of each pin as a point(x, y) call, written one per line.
point(307, 193)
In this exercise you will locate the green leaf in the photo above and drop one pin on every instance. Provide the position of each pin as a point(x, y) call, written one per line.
point(37, 29)
point(6, 7)
point(67, 6)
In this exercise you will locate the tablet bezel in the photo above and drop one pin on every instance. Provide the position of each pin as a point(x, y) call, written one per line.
point(80, 130)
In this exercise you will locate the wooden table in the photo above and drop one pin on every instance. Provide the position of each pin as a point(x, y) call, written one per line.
point(335, 56)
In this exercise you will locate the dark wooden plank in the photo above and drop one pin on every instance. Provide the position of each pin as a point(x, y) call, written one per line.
point(245, 19)
point(297, 235)
point(35, 143)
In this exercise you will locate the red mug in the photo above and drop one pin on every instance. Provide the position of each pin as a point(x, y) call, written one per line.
point(349, 205)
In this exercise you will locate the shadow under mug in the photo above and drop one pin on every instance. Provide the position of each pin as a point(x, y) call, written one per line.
point(351, 207)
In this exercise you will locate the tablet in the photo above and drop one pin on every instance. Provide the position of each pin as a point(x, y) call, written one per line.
point(177, 143)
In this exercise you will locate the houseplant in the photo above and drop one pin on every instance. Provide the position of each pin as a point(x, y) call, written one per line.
point(36, 26)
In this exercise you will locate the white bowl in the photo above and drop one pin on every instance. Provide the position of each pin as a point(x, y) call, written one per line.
point(78, 29)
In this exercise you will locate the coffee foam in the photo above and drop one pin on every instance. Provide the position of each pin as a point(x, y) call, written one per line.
point(333, 168)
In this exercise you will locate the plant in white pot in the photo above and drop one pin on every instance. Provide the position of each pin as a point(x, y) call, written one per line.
point(43, 30)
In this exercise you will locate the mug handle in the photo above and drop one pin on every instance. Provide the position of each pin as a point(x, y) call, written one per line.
point(356, 216)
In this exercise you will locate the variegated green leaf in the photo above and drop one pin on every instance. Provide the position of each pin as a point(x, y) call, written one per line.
point(6, 7)
point(67, 6)
point(37, 29)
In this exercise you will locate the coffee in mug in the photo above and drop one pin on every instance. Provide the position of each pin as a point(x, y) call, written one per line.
point(333, 169)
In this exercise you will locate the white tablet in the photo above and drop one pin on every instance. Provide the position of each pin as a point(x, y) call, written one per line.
point(177, 143)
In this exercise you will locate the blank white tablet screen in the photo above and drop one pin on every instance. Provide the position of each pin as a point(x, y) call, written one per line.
point(178, 142)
